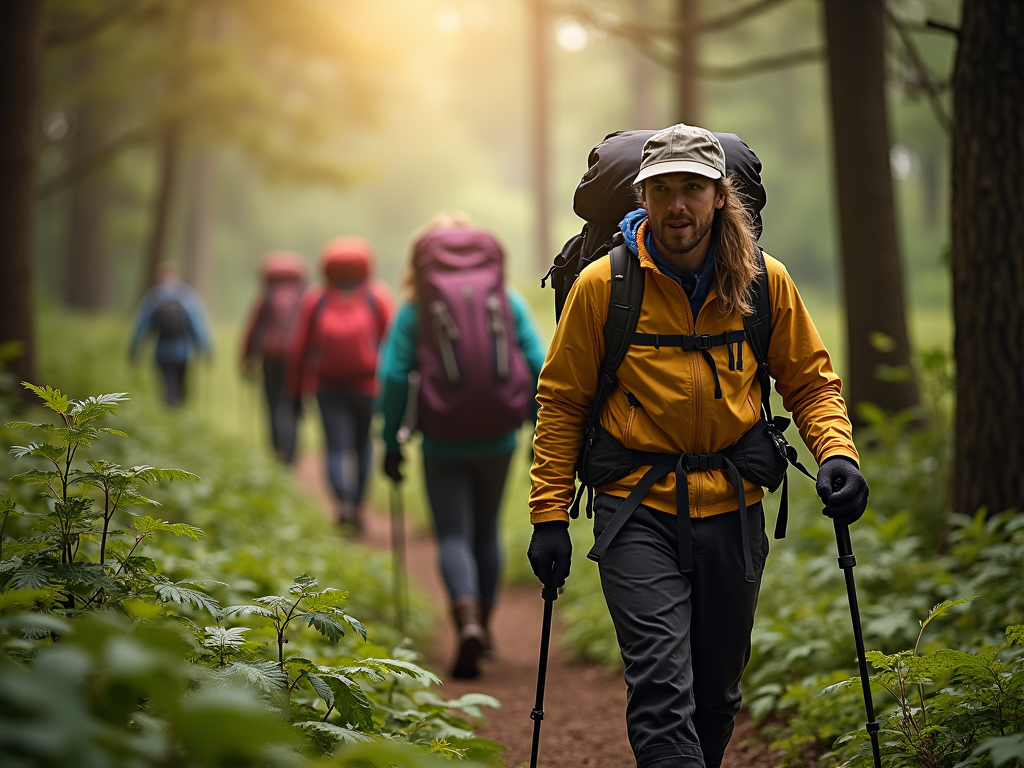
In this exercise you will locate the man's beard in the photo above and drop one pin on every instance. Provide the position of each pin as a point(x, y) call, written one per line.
point(672, 244)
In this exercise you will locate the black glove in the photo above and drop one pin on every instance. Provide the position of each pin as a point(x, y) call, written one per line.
point(393, 465)
point(550, 552)
point(843, 489)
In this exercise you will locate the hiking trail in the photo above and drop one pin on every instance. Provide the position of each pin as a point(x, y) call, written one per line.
point(584, 721)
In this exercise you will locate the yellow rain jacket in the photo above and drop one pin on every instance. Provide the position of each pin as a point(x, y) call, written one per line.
point(677, 411)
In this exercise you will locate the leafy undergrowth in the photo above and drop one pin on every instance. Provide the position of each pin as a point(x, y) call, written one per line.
point(146, 624)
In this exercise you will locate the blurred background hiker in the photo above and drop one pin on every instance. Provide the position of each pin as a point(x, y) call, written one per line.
point(266, 340)
point(333, 352)
point(175, 314)
point(478, 355)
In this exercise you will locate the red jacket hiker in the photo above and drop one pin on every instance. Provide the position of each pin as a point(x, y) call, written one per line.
point(341, 324)
point(267, 339)
point(272, 321)
point(333, 352)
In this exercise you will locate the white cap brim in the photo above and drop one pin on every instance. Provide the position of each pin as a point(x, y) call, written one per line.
point(677, 166)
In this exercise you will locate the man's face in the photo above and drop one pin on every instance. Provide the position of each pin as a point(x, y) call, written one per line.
point(680, 209)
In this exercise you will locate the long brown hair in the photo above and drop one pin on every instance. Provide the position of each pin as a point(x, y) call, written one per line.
point(736, 263)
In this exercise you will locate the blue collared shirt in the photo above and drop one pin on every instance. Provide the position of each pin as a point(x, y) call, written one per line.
point(695, 285)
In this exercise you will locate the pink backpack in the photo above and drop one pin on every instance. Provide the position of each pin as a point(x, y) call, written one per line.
point(474, 378)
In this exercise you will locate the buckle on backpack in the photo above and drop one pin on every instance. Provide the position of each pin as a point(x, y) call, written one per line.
point(696, 462)
point(703, 341)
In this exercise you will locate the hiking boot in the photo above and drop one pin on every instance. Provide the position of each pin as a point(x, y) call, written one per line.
point(347, 517)
point(489, 651)
point(466, 612)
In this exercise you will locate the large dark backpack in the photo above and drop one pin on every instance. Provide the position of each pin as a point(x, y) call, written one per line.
point(603, 198)
point(170, 318)
point(474, 378)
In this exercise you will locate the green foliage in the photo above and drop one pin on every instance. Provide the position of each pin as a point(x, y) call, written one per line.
point(72, 536)
point(147, 665)
point(952, 709)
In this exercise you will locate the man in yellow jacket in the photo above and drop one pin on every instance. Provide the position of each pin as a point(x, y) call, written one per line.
point(682, 588)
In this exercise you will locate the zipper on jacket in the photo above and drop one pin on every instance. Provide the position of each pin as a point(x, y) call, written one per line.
point(500, 333)
point(627, 431)
point(446, 334)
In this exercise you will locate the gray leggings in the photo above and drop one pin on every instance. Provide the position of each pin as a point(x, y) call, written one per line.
point(465, 497)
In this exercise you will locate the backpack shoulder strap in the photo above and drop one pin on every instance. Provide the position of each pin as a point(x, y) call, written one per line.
point(759, 330)
point(624, 302)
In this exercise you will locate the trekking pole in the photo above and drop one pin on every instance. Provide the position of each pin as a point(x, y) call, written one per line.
point(398, 555)
point(846, 563)
point(549, 594)
point(397, 506)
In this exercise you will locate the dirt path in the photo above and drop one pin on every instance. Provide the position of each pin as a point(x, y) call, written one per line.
point(584, 723)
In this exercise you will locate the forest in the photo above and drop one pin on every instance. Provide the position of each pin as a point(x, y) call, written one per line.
point(172, 593)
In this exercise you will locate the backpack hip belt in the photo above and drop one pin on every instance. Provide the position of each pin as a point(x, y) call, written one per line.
point(660, 465)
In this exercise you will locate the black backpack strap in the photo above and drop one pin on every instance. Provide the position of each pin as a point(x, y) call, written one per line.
point(759, 334)
point(627, 296)
point(759, 331)
point(624, 302)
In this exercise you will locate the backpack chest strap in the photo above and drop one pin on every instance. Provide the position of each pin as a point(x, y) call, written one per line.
point(703, 342)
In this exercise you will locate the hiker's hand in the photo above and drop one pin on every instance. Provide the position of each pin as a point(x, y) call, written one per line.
point(393, 465)
point(550, 552)
point(843, 489)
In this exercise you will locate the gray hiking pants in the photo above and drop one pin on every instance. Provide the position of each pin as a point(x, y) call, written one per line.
point(465, 497)
point(684, 638)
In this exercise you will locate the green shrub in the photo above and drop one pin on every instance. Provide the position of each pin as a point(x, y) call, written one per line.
point(948, 704)
point(200, 684)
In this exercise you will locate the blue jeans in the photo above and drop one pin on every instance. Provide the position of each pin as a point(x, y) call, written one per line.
point(465, 497)
point(346, 418)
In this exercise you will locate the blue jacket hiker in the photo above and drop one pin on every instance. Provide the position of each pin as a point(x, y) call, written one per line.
point(175, 314)
point(477, 354)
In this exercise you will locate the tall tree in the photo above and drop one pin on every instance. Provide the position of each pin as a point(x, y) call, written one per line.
point(21, 33)
point(988, 257)
point(86, 271)
point(878, 345)
point(198, 266)
point(539, 33)
point(642, 75)
point(163, 205)
point(687, 70)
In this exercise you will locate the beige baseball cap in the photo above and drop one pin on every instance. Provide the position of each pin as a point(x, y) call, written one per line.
point(682, 149)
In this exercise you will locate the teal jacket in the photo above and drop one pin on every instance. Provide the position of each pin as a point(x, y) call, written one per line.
point(398, 358)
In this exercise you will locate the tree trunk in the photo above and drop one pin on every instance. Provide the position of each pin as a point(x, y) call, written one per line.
point(688, 106)
point(86, 274)
point(198, 267)
point(988, 257)
point(538, 26)
point(20, 67)
point(878, 346)
point(163, 204)
point(643, 73)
